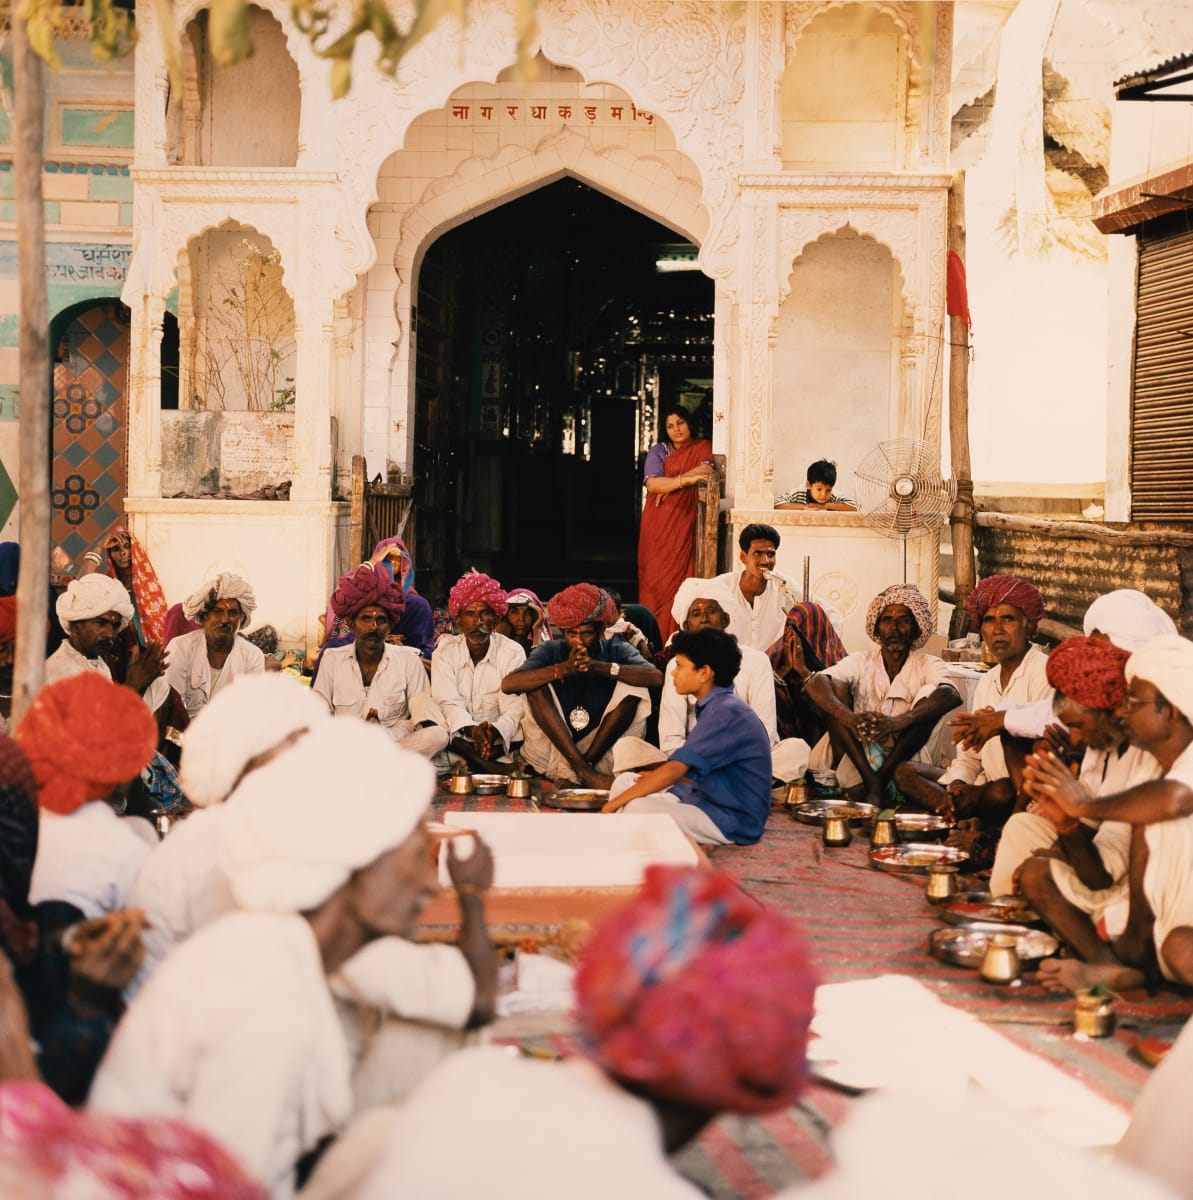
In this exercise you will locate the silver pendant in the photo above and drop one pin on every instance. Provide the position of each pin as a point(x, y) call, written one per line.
point(578, 718)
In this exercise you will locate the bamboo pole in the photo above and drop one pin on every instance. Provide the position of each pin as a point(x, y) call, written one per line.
point(34, 433)
point(961, 518)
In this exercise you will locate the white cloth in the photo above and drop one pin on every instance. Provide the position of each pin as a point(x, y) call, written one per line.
point(760, 624)
point(226, 586)
point(469, 693)
point(697, 588)
point(874, 691)
point(1168, 879)
point(399, 677)
point(236, 1034)
point(190, 674)
point(691, 819)
point(592, 1139)
point(1167, 664)
point(1128, 618)
point(754, 683)
point(1029, 682)
point(91, 597)
point(89, 859)
point(67, 661)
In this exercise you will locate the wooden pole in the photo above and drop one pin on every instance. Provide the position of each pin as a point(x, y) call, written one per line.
point(961, 518)
point(34, 434)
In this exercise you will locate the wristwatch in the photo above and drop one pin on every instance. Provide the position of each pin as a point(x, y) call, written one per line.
point(615, 669)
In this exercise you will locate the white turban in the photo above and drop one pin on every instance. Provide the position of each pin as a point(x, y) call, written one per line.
point(1167, 664)
point(296, 828)
point(91, 597)
point(226, 586)
point(253, 715)
point(695, 588)
point(1128, 618)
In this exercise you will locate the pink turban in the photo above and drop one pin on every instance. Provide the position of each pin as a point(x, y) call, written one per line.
point(911, 597)
point(476, 588)
point(1005, 589)
point(1089, 670)
point(698, 994)
point(368, 585)
point(579, 604)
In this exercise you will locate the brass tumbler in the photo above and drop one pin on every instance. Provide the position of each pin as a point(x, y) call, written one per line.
point(942, 883)
point(1093, 1015)
point(1001, 962)
point(836, 830)
point(518, 787)
point(461, 785)
point(884, 833)
point(797, 793)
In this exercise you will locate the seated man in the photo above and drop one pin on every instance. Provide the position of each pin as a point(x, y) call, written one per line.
point(758, 604)
point(978, 781)
point(818, 491)
point(370, 677)
point(198, 664)
point(466, 673)
point(882, 706)
point(582, 692)
point(1158, 708)
point(717, 784)
point(1075, 874)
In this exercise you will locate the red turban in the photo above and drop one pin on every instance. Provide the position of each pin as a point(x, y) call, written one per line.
point(1090, 671)
point(1005, 589)
point(84, 735)
point(698, 994)
point(365, 586)
point(475, 588)
point(578, 605)
point(8, 618)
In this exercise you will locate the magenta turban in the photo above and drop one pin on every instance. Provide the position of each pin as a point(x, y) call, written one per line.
point(368, 585)
point(910, 597)
point(1005, 589)
point(698, 994)
point(579, 604)
point(475, 588)
point(1090, 671)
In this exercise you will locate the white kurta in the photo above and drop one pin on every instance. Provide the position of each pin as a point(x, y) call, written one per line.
point(189, 673)
point(463, 1134)
point(399, 677)
point(755, 684)
point(469, 693)
point(874, 691)
point(89, 859)
point(67, 661)
point(760, 624)
point(1168, 879)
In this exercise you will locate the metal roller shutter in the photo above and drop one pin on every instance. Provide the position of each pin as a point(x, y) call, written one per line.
point(1162, 392)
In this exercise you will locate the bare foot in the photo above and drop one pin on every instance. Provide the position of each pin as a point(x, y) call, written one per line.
point(593, 779)
point(1073, 975)
point(963, 837)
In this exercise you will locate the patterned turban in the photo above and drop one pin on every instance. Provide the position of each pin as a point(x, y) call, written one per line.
point(1005, 589)
point(476, 588)
point(1090, 671)
point(1167, 664)
point(908, 595)
point(224, 586)
point(1128, 618)
point(84, 735)
point(91, 597)
point(579, 604)
point(368, 585)
point(698, 994)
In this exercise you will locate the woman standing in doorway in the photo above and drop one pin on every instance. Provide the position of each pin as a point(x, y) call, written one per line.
point(666, 549)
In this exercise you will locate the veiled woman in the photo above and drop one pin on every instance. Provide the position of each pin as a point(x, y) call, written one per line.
point(666, 546)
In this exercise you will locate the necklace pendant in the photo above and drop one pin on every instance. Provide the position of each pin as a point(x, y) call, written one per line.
point(578, 718)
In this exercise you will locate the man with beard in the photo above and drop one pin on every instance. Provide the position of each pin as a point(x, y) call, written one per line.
point(882, 706)
point(466, 675)
point(371, 678)
point(199, 664)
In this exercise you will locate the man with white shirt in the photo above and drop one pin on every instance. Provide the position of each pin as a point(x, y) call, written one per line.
point(466, 674)
point(757, 604)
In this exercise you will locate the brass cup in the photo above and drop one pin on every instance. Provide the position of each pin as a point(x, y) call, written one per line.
point(1001, 961)
point(517, 787)
point(836, 830)
point(461, 785)
point(942, 883)
point(1094, 1015)
point(884, 833)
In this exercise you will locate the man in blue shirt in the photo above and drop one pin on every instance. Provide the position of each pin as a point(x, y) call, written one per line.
point(717, 784)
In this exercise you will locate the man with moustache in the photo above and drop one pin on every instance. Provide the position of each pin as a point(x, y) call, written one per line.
point(466, 674)
point(757, 604)
point(370, 678)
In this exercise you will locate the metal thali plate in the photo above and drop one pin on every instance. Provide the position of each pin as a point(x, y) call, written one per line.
point(921, 824)
point(916, 858)
point(966, 946)
point(576, 799)
point(966, 908)
point(482, 785)
point(814, 811)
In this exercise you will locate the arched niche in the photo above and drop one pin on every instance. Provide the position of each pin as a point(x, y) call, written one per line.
point(844, 96)
point(837, 375)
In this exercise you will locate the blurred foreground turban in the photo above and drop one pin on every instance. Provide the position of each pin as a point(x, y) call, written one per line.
point(297, 827)
point(254, 715)
point(1128, 618)
point(1090, 671)
point(91, 597)
point(224, 586)
point(698, 994)
point(578, 605)
point(1167, 664)
point(477, 588)
point(84, 735)
point(368, 585)
point(912, 598)
point(1005, 589)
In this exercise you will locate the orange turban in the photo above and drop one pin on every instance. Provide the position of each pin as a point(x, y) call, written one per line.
point(1090, 671)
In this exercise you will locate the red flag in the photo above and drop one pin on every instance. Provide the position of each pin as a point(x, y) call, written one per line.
point(957, 303)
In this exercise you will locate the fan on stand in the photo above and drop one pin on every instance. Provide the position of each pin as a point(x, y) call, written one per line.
point(901, 491)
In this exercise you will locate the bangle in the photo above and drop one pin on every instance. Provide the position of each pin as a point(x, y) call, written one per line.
point(1068, 828)
point(558, 672)
point(469, 889)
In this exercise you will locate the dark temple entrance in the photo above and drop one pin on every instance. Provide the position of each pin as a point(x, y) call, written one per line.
point(548, 338)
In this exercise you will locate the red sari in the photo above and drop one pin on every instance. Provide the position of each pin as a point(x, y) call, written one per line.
point(666, 542)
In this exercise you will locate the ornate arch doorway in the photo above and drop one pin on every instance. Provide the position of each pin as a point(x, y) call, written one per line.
point(547, 340)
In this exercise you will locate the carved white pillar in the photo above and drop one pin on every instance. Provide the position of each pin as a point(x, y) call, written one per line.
point(145, 398)
point(313, 323)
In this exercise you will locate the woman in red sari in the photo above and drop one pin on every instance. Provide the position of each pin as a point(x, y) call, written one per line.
point(666, 545)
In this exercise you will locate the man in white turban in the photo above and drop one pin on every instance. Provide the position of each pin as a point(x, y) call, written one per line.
point(1158, 709)
point(325, 850)
point(198, 664)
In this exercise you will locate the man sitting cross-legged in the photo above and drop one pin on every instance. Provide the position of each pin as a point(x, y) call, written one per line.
point(466, 674)
point(582, 691)
point(717, 784)
point(1158, 708)
point(883, 705)
point(978, 782)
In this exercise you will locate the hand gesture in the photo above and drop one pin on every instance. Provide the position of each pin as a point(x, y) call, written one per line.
point(474, 873)
point(874, 727)
point(489, 743)
point(960, 799)
point(106, 952)
point(578, 659)
point(1045, 777)
point(792, 656)
point(145, 664)
point(971, 731)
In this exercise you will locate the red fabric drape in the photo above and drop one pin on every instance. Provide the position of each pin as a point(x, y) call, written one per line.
point(666, 551)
